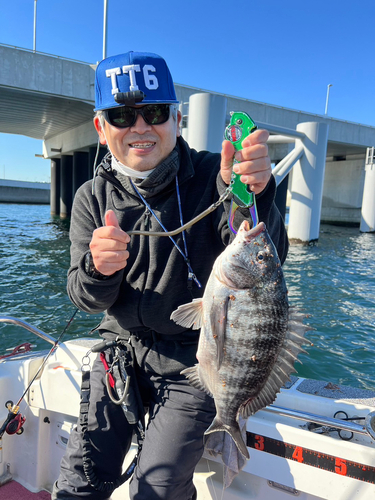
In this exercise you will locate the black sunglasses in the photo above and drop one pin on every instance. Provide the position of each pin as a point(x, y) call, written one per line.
point(126, 116)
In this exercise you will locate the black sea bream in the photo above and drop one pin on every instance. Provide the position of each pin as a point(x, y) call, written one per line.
point(250, 337)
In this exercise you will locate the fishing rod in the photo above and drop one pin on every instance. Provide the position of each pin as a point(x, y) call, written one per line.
point(13, 424)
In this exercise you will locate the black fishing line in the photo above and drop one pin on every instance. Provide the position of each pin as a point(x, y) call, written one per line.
point(53, 348)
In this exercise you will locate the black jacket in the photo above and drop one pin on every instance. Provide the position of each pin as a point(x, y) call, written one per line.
point(155, 281)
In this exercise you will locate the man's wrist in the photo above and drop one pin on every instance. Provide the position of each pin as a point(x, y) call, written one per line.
point(91, 270)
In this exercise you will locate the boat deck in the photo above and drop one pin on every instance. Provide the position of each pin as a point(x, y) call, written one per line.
point(290, 456)
point(15, 491)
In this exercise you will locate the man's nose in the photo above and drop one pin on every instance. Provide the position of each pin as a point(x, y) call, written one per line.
point(140, 125)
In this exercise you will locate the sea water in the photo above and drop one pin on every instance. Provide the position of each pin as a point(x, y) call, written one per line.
point(333, 283)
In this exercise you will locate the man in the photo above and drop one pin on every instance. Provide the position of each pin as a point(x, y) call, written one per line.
point(152, 181)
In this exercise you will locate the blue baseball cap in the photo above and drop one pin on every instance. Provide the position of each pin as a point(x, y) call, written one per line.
point(133, 78)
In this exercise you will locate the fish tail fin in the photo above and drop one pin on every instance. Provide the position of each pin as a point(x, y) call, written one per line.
point(234, 432)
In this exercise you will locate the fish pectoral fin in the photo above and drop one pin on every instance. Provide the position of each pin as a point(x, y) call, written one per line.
point(189, 315)
point(218, 319)
point(192, 374)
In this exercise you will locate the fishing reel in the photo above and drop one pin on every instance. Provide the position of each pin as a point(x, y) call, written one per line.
point(14, 421)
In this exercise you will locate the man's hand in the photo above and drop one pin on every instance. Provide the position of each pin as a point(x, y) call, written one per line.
point(109, 246)
point(255, 164)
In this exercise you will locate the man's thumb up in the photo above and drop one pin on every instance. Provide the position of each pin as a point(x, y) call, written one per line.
point(111, 219)
point(109, 246)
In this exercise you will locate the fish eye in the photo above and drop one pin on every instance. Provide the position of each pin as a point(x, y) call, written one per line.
point(261, 256)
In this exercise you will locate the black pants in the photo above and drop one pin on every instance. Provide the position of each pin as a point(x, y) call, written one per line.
point(178, 418)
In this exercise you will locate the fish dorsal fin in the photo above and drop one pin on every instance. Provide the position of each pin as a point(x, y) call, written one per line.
point(283, 366)
point(189, 315)
point(218, 320)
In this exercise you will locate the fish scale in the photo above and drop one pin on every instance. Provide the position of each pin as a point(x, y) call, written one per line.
point(250, 337)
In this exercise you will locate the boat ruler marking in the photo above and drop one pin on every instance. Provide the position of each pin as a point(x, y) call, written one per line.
point(330, 463)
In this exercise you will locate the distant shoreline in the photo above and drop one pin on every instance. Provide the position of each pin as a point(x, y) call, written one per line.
point(24, 192)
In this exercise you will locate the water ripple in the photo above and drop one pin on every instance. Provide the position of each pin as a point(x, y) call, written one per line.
point(333, 282)
point(34, 259)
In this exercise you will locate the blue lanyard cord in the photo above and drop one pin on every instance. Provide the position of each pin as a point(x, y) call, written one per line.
point(181, 220)
point(191, 275)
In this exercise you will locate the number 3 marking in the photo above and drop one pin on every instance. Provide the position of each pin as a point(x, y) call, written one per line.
point(259, 445)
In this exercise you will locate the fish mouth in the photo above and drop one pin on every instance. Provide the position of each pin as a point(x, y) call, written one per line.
point(253, 232)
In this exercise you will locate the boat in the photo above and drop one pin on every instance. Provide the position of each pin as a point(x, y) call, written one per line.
point(317, 441)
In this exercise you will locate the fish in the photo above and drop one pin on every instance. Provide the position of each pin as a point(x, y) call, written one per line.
point(250, 336)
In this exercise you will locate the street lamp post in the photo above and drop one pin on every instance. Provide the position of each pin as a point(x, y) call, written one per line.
point(328, 87)
point(34, 41)
point(105, 29)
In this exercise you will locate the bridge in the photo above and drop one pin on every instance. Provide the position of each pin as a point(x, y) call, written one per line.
point(52, 99)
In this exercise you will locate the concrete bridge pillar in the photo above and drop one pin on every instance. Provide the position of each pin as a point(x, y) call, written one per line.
point(80, 169)
point(206, 122)
point(307, 184)
point(66, 189)
point(368, 200)
point(55, 187)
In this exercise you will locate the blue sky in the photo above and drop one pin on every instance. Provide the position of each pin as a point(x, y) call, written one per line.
point(278, 52)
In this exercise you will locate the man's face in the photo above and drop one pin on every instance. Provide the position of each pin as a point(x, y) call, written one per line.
point(141, 146)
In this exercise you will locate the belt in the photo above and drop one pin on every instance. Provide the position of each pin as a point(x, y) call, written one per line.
point(185, 338)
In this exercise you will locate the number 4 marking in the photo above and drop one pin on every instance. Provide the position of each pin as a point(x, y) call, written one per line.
point(298, 454)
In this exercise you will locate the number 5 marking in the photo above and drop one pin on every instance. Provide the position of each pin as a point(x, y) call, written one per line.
point(340, 466)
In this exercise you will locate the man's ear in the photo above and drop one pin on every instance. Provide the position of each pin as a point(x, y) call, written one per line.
point(179, 120)
point(100, 131)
